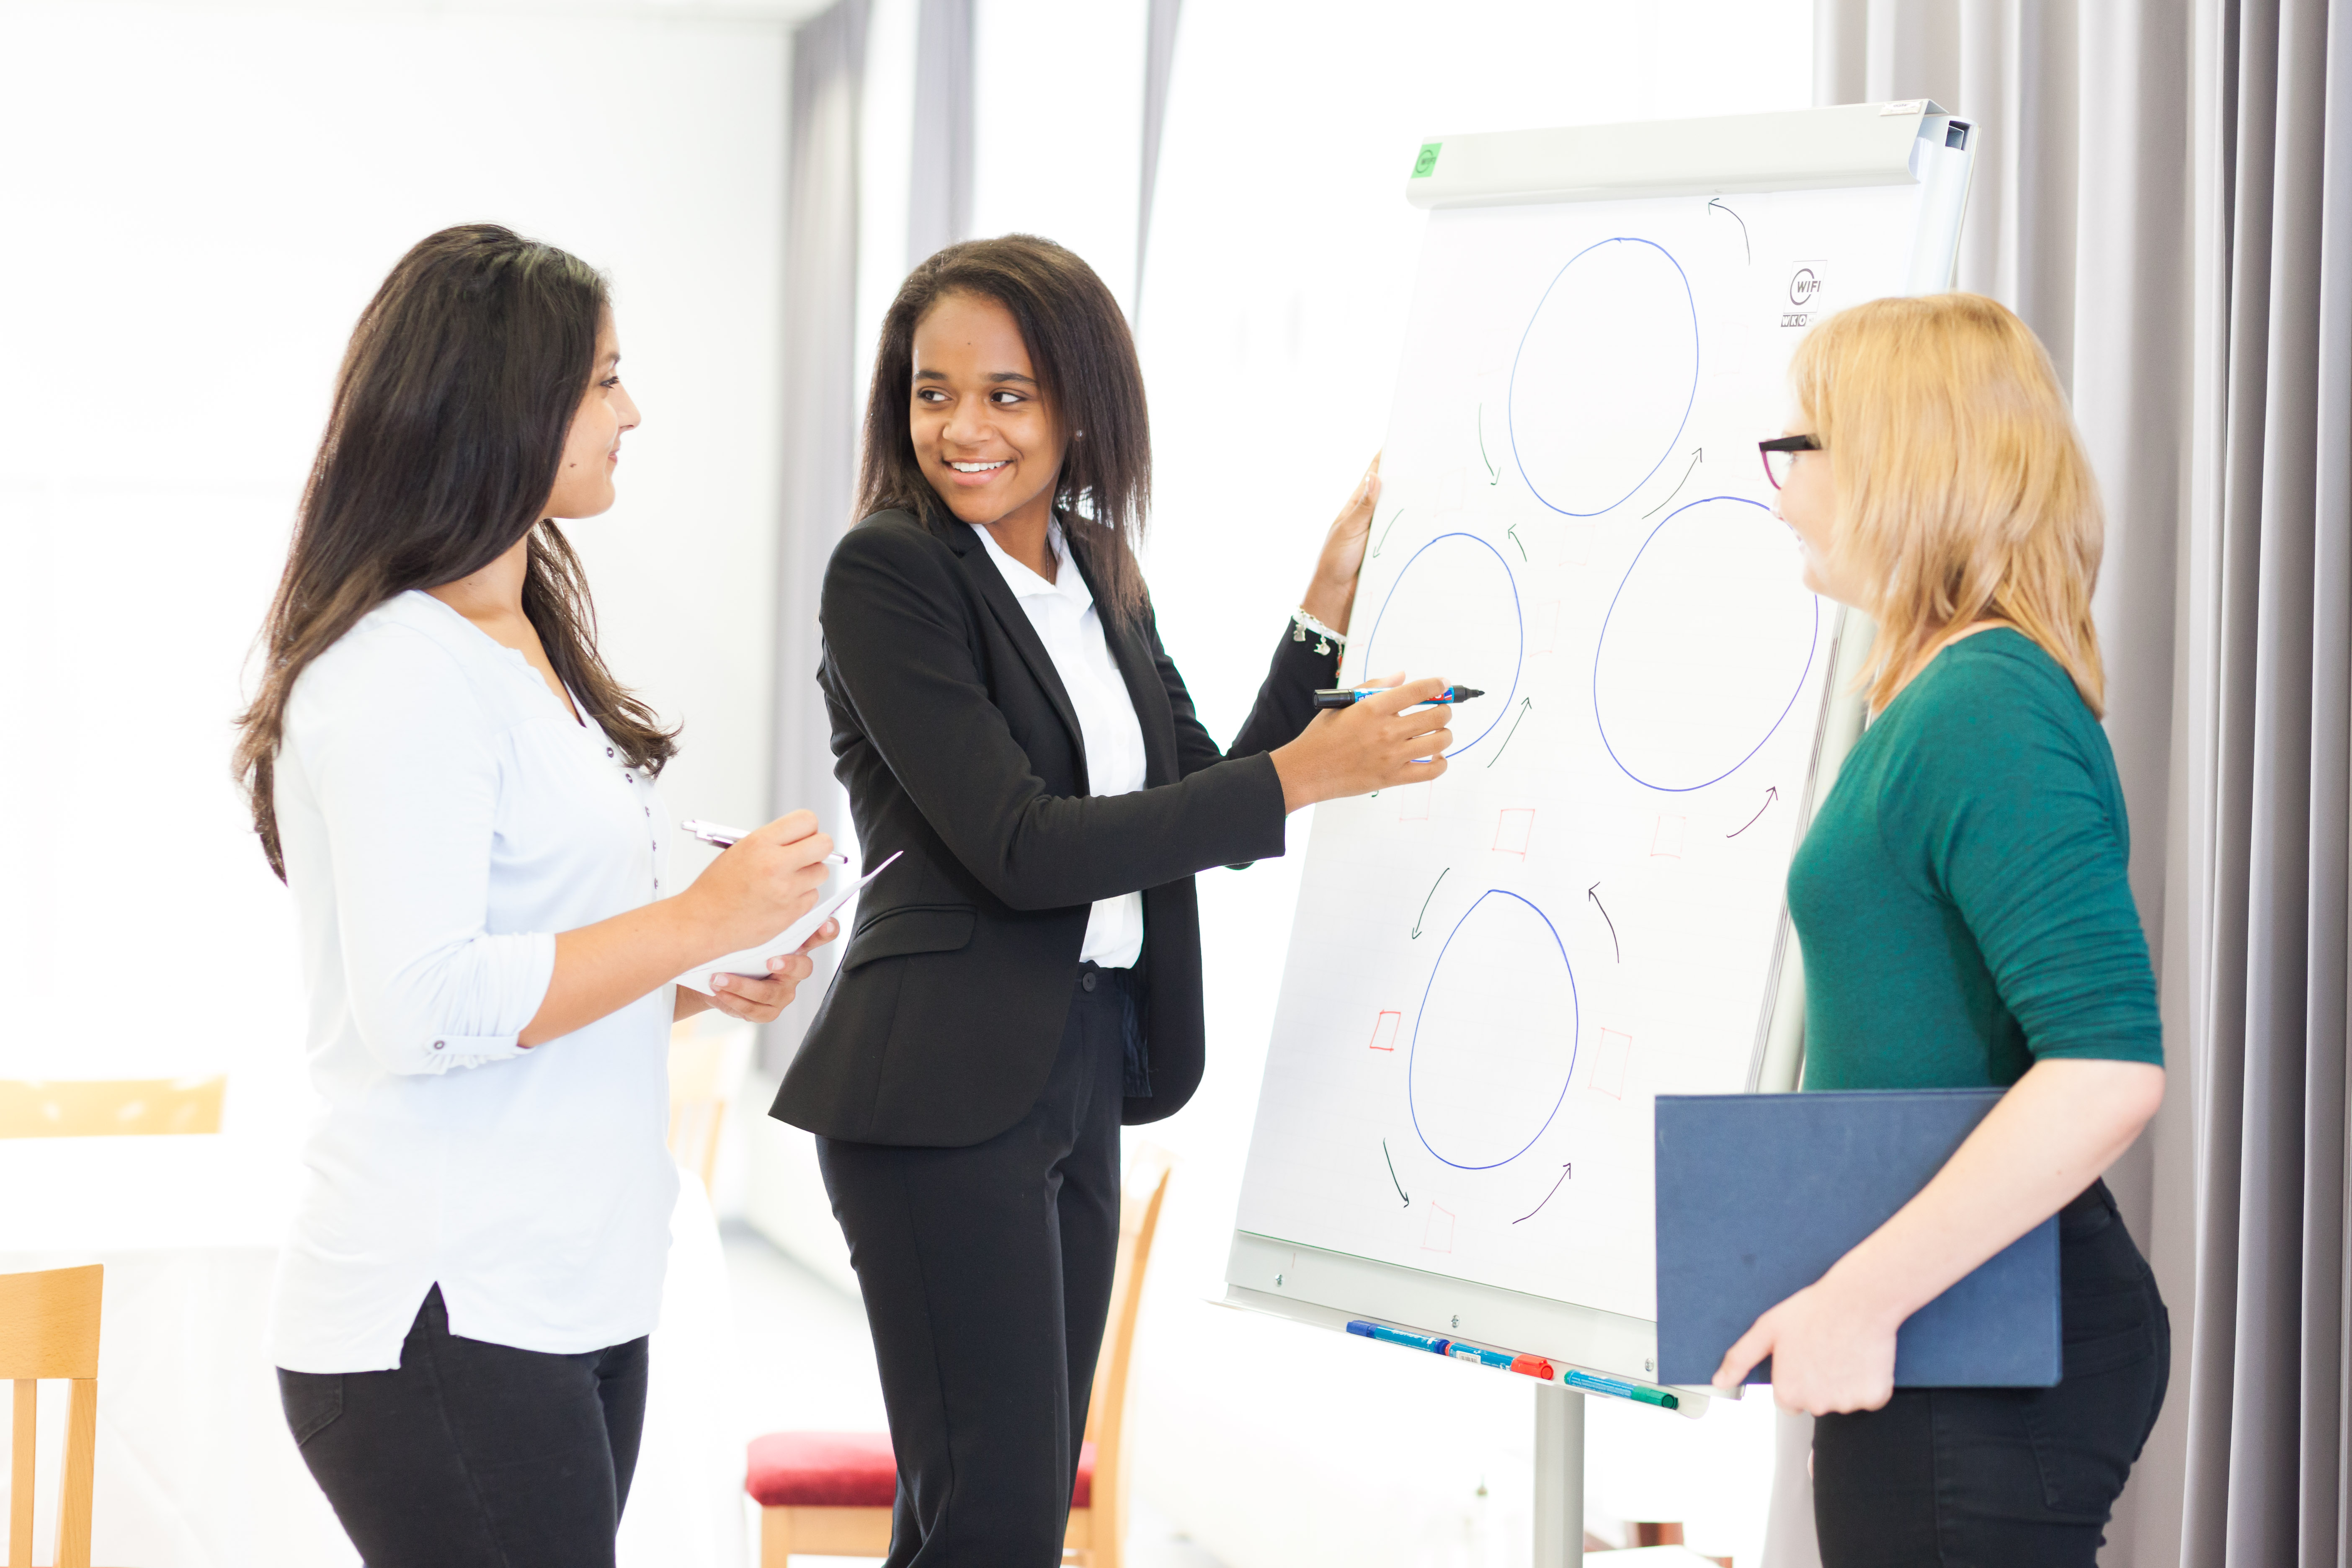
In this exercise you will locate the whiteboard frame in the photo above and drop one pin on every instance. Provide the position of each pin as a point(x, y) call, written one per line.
point(1818, 149)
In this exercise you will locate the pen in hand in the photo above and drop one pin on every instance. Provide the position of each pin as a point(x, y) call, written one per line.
point(1346, 697)
point(725, 836)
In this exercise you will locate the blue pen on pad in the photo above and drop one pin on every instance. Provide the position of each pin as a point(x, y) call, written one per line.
point(1388, 1336)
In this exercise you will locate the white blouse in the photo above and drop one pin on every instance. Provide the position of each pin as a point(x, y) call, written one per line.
point(1062, 612)
point(443, 816)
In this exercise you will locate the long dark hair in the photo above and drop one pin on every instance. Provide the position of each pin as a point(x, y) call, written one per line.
point(1079, 345)
point(443, 444)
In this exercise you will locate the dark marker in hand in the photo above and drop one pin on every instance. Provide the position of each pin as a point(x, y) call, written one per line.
point(1345, 698)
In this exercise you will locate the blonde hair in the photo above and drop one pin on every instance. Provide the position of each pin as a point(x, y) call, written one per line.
point(1963, 491)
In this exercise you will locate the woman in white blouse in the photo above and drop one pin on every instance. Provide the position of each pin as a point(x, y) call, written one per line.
point(461, 798)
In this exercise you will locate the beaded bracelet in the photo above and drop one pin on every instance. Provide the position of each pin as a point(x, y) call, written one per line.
point(1301, 623)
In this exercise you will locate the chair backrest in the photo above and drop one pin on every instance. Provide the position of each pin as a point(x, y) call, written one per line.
point(109, 1107)
point(1140, 1196)
point(48, 1328)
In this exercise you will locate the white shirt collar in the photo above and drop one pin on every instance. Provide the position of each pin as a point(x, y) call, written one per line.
point(1068, 582)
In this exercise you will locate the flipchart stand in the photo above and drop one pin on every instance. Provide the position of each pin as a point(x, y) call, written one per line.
point(1560, 1476)
point(1314, 1272)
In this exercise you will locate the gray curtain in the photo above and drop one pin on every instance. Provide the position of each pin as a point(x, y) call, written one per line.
point(1158, 64)
point(2081, 219)
point(2164, 192)
point(2268, 575)
point(821, 405)
point(939, 187)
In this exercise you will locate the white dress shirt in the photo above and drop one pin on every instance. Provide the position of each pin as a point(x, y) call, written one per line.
point(1062, 612)
point(444, 816)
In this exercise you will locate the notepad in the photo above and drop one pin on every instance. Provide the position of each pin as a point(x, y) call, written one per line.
point(752, 962)
point(1759, 1194)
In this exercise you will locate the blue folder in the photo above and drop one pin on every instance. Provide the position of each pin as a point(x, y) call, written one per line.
point(1759, 1194)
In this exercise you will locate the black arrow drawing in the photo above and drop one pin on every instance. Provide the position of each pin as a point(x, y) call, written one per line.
point(1494, 475)
point(1716, 204)
point(1424, 904)
point(1399, 1185)
point(1389, 530)
point(1698, 456)
point(1770, 795)
point(1565, 1172)
point(1592, 892)
point(1525, 703)
point(1512, 533)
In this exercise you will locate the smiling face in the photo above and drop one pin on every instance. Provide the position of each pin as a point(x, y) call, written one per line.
point(583, 485)
point(987, 441)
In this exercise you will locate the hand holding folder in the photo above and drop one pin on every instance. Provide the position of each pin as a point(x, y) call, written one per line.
point(1758, 1195)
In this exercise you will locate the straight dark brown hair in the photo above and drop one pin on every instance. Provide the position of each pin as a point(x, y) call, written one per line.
point(1084, 355)
point(442, 446)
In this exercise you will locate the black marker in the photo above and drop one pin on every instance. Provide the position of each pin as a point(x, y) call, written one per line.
point(1344, 698)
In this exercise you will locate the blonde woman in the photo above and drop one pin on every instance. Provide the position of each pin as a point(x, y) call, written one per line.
point(1966, 922)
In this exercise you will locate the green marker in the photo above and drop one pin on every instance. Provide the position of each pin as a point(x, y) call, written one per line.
point(1640, 1394)
point(1426, 161)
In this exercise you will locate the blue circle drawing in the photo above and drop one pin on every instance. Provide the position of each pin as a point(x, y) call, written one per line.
point(1588, 440)
point(1504, 1098)
point(1430, 647)
point(1674, 712)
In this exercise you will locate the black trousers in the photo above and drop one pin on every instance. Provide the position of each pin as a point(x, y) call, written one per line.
point(474, 1454)
point(2009, 1478)
point(986, 1272)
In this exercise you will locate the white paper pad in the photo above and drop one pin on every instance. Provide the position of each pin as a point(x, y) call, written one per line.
point(752, 962)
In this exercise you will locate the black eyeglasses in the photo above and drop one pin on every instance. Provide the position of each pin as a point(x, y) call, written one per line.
point(1780, 455)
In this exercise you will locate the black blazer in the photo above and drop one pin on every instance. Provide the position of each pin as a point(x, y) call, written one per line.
point(960, 747)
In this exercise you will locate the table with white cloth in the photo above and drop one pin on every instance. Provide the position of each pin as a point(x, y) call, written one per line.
point(195, 1467)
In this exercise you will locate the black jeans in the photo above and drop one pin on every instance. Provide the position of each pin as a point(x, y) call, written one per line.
point(986, 1272)
point(2009, 1478)
point(475, 1454)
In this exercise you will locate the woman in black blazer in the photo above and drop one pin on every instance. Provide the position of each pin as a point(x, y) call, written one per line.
point(998, 1013)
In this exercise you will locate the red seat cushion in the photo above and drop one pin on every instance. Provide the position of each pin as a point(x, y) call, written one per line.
point(847, 1469)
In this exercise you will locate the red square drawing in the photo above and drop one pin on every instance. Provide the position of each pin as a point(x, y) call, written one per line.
point(1667, 843)
point(1384, 1031)
point(1439, 1237)
point(1413, 801)
point(1608, 1064)
point(1512, 829)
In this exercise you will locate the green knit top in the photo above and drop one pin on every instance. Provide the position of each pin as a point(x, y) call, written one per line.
point(1960, 896)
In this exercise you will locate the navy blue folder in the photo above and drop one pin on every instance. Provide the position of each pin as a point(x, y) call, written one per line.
point(1759, 1194)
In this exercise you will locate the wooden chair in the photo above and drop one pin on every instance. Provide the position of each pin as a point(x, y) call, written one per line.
point(829, 1493)
point(48, 1328)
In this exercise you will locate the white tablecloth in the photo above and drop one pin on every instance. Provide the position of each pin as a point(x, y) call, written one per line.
point(195, 1468)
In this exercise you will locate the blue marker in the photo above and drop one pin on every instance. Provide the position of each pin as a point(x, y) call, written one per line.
point(1388, 1336)
point(1345, 698)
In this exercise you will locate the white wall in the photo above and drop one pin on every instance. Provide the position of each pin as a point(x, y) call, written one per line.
point(199, 199)
point(1057, 126)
